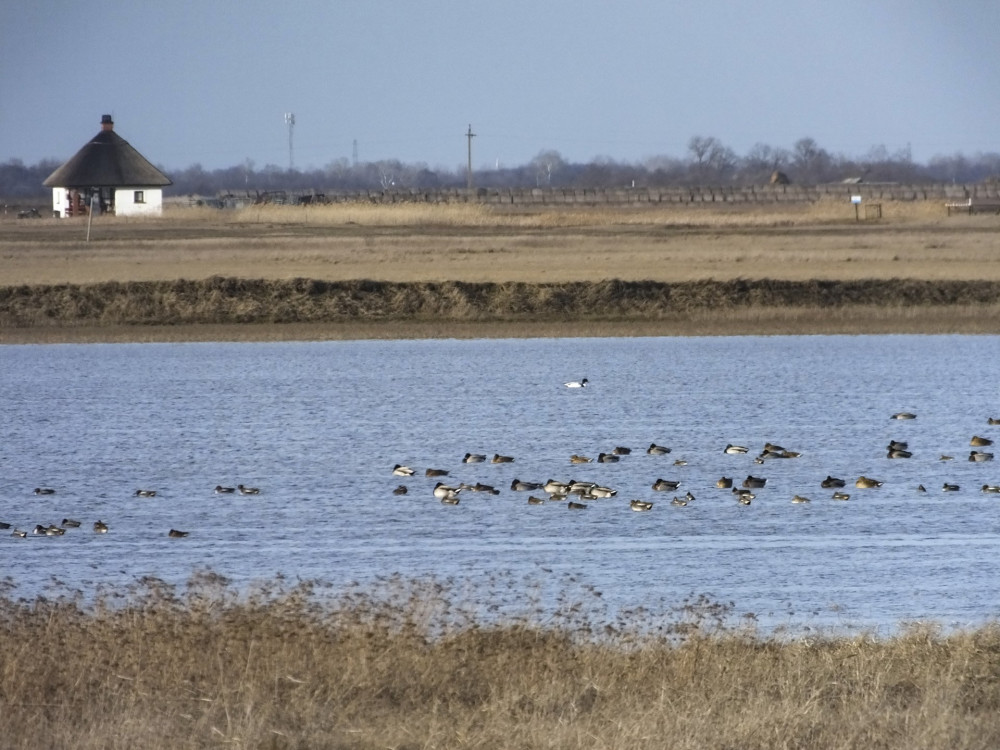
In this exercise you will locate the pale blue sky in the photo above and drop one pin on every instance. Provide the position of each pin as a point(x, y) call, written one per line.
point(209, 81)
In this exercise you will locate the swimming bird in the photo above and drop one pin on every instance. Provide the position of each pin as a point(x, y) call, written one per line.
point(841, 496)
point(577, 459)
point(621, 450)
point(754, 483)
point(607, 458)
point(665, 485)
point(946, 487)
point(745, 499)
point(532, 500)
point(679, 502)
point(450, 500)
point(53, 530)
point(946, 458)
point(71, 523)
point(640, 505)
point(100, 527)
point(554, 487)
point(402, 471)
point(436, 473)
point(400, 490)
point(680, 462)
point(831, 482)
point(993, 420)
point(800, 499)
point(689, 497)
point(904, 415)
point(479, 487)
point(980, 456)
point(4, 525)
point(144, 493)
point(577, 383)
point(576, 506)
point(898, 453)
point(991, 488)
point(864, 482)
point(921, 488)
point(580, 488)
point(244, 490)
point(18, 533)
point(442, 491)
point(657, 450)
point(979, 442)
point(898, 445)
point(520, 486)
point(220, 490)
point(724, 483)
point(498, 459)
point(601, 492)
point(743, 493)
point(44, 491)
point(473, 458)
point(175, 534)
point(734, 449)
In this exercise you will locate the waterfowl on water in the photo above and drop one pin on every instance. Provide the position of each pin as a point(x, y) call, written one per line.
point(575, 505)
point(724, 483)
point(947, 487)
point(898, 445)
point(904, 415)
point(44, 491)
point(980, 456)
point(689, 497)
point(175, 534)
point(607, 458)
point(946, 458)
point(577, 459)
point(979, 442)
point(832, 482)
point(864, 482)
point(841, 496)
point(745, 499)
point(580, 488)
point(993, 420)
point(402, 471)
point(244, 490)
point(898, 453)
point(442, 491)
point(602, 492)
point(621, 450)
point(436, 473)
point(520, 486)
point(577, 383)
point(498, 459)
point(743, 493)
point(801, 499)
point(52, 530)
point(640, 505)
point(19, 534)
point(921, 488)
point(400, 490)
point(473, 458)
point(554, 487)
point(100, 527)
point(532, 500)
point(4, 525)
point(679, 502)
point(220, 490)
point(665, 485)
point(680, 462)
point(71, 523)
point(144, 493)
point(991, 488)
point(735, 450)
point(657, 450)
point(754, 483)
point(450, 500)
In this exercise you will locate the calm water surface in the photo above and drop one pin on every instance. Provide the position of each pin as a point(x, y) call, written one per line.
point(319, 426)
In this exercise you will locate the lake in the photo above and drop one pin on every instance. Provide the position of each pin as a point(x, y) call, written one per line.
point(318, 428)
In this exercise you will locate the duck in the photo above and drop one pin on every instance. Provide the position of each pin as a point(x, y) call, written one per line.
point(993, 420)
point(657, 450)
point(53, 530)
point(948, 487)
point(991, 488)
point(473, 458)
point(921, 488)
point(640, 505)
point(754, 483)
point(4, 525)
point(532, 500)
point(743, 493)
point(175, 534)
point(679, 502)
point(578, 459)
point(903, 415)
point(602, 492)
point(864, 482)
point(577, 383)
point(244, 490)
point(724, 483)
point(665, 485)
point(44, 491)
point(979, 442)
point(689, 497)
point(580, 488)
point(946, 458)
point(220, 490)
point(100, 527)
point(436, 473)
point(607, 458)
point(898, 454)
point(831, 482)
point(400, 490)
point(450, 500)
point(680, 462)
point(498, 459)
point(402, 471)
point(572, 505)
point(800, 499)
point(898, 445)
point(980, 456)
point(841, 496)
point(621, 450)
point(521, 486)
point(735, 450)
point(554, 487)
point(19, 534)
point(70, 523)
point(144, 493)
point(744, 499)
point(442, 490)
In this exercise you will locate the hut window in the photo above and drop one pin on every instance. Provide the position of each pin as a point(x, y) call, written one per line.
point(138, 197)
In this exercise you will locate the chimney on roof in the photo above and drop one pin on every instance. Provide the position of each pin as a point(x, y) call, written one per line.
point(107, 123)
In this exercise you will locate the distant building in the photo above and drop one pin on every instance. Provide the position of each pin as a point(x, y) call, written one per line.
point(108, 170)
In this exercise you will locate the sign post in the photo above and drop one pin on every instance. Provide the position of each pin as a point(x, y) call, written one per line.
point(856, 200)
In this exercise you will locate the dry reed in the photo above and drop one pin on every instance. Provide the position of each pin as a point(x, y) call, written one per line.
point(409, 666)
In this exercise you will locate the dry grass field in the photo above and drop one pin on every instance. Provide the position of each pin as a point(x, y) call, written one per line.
point(424, 244)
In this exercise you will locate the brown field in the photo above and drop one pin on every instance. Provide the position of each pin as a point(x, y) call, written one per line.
point(423, 244)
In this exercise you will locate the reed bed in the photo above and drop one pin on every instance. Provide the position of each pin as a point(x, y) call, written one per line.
point(410, 665)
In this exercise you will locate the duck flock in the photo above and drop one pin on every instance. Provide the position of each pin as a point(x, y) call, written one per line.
point(101, 527)
point(576, 494)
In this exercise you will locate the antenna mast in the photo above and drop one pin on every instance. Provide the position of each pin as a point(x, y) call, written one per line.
point(469, 135)
point(290, 122)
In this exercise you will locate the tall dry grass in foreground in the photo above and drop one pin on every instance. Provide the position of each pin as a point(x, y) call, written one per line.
point(302, 668)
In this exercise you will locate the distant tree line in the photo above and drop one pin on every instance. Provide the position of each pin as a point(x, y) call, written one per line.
point(707, 161)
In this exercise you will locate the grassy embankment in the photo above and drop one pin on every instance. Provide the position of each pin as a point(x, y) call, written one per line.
point(202, 667)
point(362, 270)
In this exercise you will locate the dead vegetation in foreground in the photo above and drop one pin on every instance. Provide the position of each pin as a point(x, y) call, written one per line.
point(204, 666)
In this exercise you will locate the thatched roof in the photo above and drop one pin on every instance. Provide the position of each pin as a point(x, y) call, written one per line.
point(107, 161)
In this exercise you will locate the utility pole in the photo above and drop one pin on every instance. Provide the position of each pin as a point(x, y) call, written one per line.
point(290, 122)
point(469, 135)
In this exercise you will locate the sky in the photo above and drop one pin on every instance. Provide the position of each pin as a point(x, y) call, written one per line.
point(209, 81)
